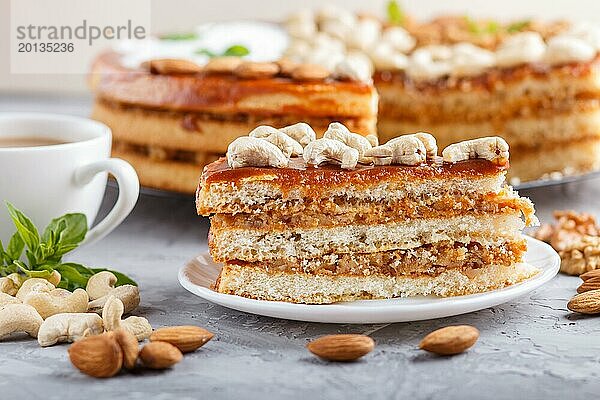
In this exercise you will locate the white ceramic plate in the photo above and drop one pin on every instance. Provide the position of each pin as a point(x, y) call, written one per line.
point(201, 272)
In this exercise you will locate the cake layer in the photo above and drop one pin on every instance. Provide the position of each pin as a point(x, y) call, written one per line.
point(525, 131)
point(496, 89)
point(552, 160)
point(205, 132)
point(318, 289)
point(327, 213)
point(431, 259)
point(170, 175)
point(252, 189)
point(259, 245)
point(226, 94)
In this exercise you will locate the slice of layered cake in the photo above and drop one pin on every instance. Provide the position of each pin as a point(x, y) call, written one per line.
point(343, 218)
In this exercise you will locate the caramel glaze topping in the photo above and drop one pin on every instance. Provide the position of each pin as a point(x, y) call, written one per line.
point(218, 92)
point(300, 174)
point(490, 79)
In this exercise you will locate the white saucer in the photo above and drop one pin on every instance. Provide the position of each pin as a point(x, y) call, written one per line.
point(201, 272)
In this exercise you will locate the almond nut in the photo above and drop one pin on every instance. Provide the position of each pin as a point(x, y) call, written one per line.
point(160, 355)
point(129, 345)
point(185, 338)
point(595, 273)
point(256, 70)
point(310, 72)
point(286, 66)
point(98, 356)
point(222, 65)
point(590, 284)
point(586, 303)
point(346, 347)
point(168, 66)
point(450, 340)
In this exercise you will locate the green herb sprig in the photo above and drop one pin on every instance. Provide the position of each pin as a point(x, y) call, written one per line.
point(179, 36)
point(518, 26)
point(395, 14)
point(237, 50)
point(44, 252)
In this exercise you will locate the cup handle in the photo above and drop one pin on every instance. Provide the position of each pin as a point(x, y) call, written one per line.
point(129, 190)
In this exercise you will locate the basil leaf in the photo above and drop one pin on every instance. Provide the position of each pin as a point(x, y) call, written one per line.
point(44, 274)
point(73, 275)
point(395, 14)
point(31, 258)
point(70, 230)
point(15, 247)
point(206, 52)
point(237, 50)
point(492, 27)
point(472, 25)
point(179, 36)
point(122, 279)
point(26, 229)
point(517, 26)
point(3, 255)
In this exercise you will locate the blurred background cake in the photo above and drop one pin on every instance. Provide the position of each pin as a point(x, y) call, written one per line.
point(534, 83)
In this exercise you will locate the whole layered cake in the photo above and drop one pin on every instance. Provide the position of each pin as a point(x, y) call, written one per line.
point(535, 84)
point(174, 105)
point(307, 220)
point(174, 102)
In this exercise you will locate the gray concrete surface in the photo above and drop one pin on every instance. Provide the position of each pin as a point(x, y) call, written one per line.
point(532, 348)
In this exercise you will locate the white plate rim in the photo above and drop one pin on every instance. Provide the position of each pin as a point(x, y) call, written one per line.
point(390, 310)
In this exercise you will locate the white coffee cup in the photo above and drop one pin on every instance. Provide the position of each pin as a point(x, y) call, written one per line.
point(48, 181)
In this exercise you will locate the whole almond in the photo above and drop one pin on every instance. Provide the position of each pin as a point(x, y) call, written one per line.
point(256, 70)
point(98, 356)
point(586, 303)
point(168, 66)
point(590, 284)
point(346, 347)
point(160, 355)
point(310, 72)
point(286, 66)
point(450, 340)
point(129, 345)
point(185, 338)
point(222, 65)
point(595, 273)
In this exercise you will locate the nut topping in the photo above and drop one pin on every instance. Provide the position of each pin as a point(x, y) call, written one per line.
point(333, 151)
point(337, 131)
point(310, 72)
point(286, 66)
point(288, 145)
point(222, 65)
point(256, 70)
point(493, 148)
point(169, 66)
point(300, 132)
point(250, 151)
point(403, 150)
